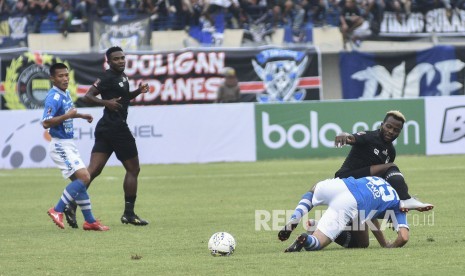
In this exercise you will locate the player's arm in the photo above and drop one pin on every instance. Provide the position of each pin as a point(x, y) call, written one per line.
point(54, 121)
point(378, 233)
point(402, 238)
point(400, 224)
point(344, 138)
point(91, 98)
point(86, 117)
point(143, 88)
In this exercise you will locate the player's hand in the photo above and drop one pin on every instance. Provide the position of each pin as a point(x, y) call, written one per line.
point(389, 244)
point(87, 117)
point(71, 113)
point(144, 88)
point(343, 139)
point(113, 104)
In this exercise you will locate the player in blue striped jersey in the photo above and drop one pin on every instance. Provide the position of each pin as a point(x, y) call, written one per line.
point(58, 116)
point(350, 199)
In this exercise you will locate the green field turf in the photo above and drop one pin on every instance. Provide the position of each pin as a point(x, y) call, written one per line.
point(186, 204)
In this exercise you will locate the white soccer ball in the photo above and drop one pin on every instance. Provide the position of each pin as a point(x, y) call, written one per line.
point(221, 244)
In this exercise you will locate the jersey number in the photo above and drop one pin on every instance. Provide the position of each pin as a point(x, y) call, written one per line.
point(387, 192)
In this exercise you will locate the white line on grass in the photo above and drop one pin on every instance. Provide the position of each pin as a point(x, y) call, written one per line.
point(225, 175)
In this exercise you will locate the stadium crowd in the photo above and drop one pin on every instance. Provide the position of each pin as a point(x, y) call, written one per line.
point(74, 15)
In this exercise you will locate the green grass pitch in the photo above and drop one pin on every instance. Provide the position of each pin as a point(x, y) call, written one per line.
point(187, 203)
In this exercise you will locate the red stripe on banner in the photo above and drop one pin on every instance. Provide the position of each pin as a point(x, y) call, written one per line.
point(258, 86)
point(246, 87)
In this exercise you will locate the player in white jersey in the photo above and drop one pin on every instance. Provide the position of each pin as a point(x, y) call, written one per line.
point(348, 200)
point(58, 118)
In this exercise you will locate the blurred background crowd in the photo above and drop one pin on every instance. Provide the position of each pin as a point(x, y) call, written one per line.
point(48, 16)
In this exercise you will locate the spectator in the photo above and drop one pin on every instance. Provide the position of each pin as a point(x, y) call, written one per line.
point(278, 7)
point(294, 14)
point(37, 10)
point(229, 91)
point(317, 11)
point(19, 8)
point(63, 9)
point(149, 7)
point(258, 21)
point(256, 11)
point(166, 15)
point(115, 5)
point(4, 9)
point(353, 26)
point(85, 9)
point(194, 10)
point(220, 6)
point(400, 7)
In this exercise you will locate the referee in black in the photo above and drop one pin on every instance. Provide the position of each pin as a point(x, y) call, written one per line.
point(112, 133)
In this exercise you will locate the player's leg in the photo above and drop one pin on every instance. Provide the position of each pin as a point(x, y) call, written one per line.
point(70, 194)
point(303, 207)
point(65, 155)
point(318, 240)
point(354, 238)
point(380, 170)
point(342, 208)
point(70, 208)
point(98, 160)
point(331, 224)
point(101, 152)
point(320, 194)
point(358, 173)
point(83, 200)
point(130, 192)
point(126, 151)
point(397, 181)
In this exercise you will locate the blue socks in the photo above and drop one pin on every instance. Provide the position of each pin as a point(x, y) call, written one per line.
point(76, 191)
point(83, 201)
point(312, 244)
point(304, 206)
point(69, 194)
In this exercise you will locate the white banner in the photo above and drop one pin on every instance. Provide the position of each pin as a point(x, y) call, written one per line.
point(445, 125)
point(164, 134)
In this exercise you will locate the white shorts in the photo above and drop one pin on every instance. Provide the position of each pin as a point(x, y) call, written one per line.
point(66, 156)
point(362, 30)
point(342, 206)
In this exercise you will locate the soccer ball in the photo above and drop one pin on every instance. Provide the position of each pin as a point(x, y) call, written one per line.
point(221, 244)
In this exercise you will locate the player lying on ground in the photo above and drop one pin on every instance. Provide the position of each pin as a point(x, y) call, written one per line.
point(349, 199)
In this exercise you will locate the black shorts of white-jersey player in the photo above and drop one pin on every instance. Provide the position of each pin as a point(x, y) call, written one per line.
point(112, 133)
point(372, 154)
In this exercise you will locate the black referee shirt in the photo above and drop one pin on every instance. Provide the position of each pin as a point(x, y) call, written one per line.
point(114, 85)
point(369, 149)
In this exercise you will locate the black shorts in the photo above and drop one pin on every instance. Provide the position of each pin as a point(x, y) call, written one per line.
point(358, 173)
point(121, 142)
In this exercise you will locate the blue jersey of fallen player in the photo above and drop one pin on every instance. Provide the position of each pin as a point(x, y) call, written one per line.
point(374, 197)
point(57, 103)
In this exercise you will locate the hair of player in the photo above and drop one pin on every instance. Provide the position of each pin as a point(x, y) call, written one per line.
point(112, 50)
point(56, 66)
point(396, 114)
